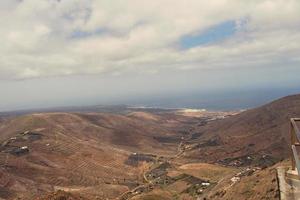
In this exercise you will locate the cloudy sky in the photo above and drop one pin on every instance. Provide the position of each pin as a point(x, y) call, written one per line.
point(84, 52)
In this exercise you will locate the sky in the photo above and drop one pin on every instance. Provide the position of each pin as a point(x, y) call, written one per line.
point(192, 53)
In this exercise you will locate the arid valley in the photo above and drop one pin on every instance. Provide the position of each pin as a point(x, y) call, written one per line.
point(149, 100)
point(145, 153)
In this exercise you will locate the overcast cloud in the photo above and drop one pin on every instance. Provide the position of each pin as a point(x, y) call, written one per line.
point(123, 38)
point(51, 37)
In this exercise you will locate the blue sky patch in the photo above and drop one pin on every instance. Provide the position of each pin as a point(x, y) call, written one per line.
point(212, 35)
point(78, 34)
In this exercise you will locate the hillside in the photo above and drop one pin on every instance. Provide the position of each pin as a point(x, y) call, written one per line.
point(256, 136)
point(94, 154)
point(243, 150)
point(143, 154)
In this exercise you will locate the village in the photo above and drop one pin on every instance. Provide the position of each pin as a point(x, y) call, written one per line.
point(15, 145)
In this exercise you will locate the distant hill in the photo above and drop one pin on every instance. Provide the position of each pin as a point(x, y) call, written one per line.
point(251, 136)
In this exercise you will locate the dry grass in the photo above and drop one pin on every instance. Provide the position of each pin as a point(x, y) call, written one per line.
point(260, 185)
point(178, 186)
point(80, 152)
point(155, 195)
point(207, 171)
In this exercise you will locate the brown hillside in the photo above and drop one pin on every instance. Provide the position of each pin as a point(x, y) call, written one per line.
point(85, 153)
point(94, 155)
point(262, 131)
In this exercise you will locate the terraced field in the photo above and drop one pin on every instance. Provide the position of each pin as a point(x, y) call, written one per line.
point(81, 152)
point(142, 155)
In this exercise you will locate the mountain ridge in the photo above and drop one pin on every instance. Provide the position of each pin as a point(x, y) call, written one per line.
point(263, 130)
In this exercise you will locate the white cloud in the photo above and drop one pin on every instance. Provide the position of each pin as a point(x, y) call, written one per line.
point(52, 38)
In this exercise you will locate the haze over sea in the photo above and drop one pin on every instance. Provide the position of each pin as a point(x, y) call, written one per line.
point(204, 54)
point(218, 100)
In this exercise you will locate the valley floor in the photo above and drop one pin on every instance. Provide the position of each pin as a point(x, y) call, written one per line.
point(138, 155)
